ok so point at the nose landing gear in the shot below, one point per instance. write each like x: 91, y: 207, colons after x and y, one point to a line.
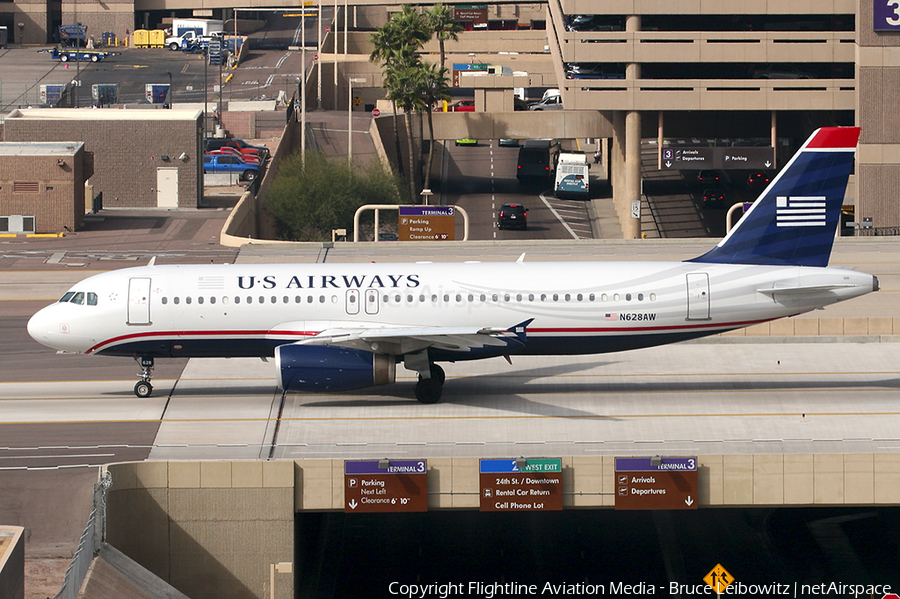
x: 143, y: 388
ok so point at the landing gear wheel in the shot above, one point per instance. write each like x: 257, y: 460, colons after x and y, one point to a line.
x: 143, y: 389
x: 437, y: 373
x: 429, y: 390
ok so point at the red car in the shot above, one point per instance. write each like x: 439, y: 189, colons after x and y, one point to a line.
x: 463, y: 106
x: 225, y: 151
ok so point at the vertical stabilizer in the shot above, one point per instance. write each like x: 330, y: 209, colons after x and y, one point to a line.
x: 794, y: 220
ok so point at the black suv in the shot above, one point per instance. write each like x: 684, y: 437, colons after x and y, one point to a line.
x: 512, y: 216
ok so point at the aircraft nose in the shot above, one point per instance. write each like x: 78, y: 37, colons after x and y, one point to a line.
x: 43, y: 326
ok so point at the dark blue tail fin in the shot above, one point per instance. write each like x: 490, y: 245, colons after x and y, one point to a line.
x: 794, y: 220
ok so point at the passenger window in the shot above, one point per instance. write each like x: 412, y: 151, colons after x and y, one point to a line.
x: 91, y: 298
x: 212, y: 299
x: 200, y: 300
x: 262, y: 299
x: 187, y: 300
x: 237, y: 299
x: 164, y: 301
x: 321, y: 299
x: 555, y: 297
x: 579, y: 297
x: 627, y: 297
x: 176, y: 300
x: 285, y: 299
x: 530, y: 297
x: 66, y: 297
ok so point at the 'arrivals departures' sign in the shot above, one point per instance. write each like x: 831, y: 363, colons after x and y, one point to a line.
x: 656, y: 483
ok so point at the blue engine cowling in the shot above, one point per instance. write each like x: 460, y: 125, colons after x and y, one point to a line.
x: 330, y: 368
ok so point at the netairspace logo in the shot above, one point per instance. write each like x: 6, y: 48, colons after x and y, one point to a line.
x: 492, y: 590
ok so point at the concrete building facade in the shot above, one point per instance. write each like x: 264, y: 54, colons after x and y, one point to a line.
x: 139, y: 158
x: 42, y: 186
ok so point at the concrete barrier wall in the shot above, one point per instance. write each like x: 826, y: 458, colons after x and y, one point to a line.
x: 214, y: 529
x: 210, y: 529
x: 812, y: 327
x: 764, y: 480
x: 12, y: 562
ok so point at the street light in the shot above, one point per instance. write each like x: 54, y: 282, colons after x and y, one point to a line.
x: 351, y: 81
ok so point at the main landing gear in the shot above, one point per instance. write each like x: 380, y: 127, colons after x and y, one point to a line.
x: 143, y: 388
x: 429, y: 390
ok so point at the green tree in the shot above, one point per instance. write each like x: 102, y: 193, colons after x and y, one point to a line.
x: 444, y: 27
x: 396, y: 48
x: 308, y: 202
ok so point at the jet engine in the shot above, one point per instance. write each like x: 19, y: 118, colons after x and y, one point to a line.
x: 330, y: 368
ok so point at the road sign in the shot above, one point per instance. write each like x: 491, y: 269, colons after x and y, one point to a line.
x: 510, y: 485
x: 731, y: 158
x: 426, y: 223
x: 315, y: 57
x: 376, y: 112
x: 385, y: 486
x: 718, y: 579
x: 656, y: 483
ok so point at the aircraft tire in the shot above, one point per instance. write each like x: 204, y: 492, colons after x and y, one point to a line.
x: 429, y: 391
x: 437, y: 373
x: 143, y: 389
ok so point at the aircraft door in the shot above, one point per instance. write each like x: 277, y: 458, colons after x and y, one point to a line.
x: 371, y: 301
x: 697, y: 296
x: 352, y: 300
x: 138, y: 301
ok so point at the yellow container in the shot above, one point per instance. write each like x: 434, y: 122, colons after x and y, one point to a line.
x: 141, y: 38
x: 157, y: 38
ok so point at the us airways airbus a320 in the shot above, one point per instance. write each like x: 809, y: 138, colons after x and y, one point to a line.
x: 334, y: 327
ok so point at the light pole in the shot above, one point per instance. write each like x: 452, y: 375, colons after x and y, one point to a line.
x: 169, y: 91
x: 350, y: 82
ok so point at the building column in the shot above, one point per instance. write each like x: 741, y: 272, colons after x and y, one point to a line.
x: 617, y: 166
x: 631, y: 228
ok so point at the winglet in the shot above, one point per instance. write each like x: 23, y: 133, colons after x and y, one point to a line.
x: 793, y: 221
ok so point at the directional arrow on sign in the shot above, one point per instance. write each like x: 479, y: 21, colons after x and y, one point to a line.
x: 689, y: 501
x: 353, y: 504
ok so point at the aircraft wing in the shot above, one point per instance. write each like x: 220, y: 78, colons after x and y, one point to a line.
x: 407, y: 340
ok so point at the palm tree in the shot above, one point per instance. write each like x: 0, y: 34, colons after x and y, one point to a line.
x: 396, y: 48
x: 442, y: 24
x: 433, y: 89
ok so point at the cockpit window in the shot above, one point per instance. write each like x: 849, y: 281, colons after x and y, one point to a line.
x: 78, y: 299
x: 66, y: 297
x: 91, y: 298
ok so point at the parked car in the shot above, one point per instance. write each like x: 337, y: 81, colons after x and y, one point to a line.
x: 229, y: 151
x: 781, y: 72
x: 462, y: 106
x: 229, y: 164
x: 594, y: 71
x: 509, y: 143
x: 512, y: 216
x: 466, y: 141
x: 549, y: 103
x: 241, y: 145
x: 713, y: 198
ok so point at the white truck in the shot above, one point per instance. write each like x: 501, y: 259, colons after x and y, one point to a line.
x: 188, y: 34
x: 572, y: 176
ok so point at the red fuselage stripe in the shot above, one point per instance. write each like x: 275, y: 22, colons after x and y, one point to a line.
x: 298, y: 334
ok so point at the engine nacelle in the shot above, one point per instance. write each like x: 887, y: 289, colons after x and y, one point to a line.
x: 330, y: 368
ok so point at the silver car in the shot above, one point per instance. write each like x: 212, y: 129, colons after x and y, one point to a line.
x: 548, y: 103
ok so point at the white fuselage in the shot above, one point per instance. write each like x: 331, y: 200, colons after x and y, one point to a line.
x: 575, y: 307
